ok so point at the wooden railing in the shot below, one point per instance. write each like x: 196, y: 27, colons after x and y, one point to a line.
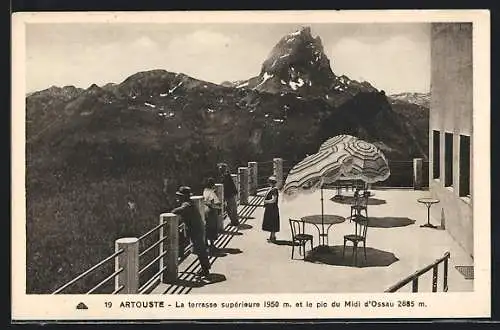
x: 415, y: 276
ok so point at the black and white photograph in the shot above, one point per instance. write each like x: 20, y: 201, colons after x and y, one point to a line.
x: 251, y: 165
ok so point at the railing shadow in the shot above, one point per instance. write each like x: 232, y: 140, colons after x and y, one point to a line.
x: 333, y: 256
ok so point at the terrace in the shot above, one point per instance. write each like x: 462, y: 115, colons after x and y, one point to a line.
x: 397, y: 247
x: 249, y: 264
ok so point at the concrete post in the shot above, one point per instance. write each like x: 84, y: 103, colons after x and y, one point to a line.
x: 278, y: 171
x: 235, y: 180
x: 199, y: 202
x: 417, y: 173
x: 219, y: 190
x: 252, y: 178
x: 243, y: 185
x: 171, y: 258
x: 129, y: 261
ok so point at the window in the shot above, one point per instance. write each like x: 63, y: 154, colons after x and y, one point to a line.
x: 436, y: 165
x: 464, y: 186
x: 448, y: 159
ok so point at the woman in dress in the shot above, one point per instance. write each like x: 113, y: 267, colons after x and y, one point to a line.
x: 271, y: 222
x: 212, y: 209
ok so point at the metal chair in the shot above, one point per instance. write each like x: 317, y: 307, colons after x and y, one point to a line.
x: 359, y: 236
x: 299, y: 236
x: 360, y: 204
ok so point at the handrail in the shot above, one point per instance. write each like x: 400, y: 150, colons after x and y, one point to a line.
x: 152, y: 246
x: 90, y: 270
x: 153, y: 278
x: 414, y: 277
x: 151, y: 231
x: 120, y: 288
x: 112, y: 276
x: 152, y: 262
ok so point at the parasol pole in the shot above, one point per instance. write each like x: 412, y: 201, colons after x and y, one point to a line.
x: 322, y: 218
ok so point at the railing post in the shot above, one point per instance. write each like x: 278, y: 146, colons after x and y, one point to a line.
x: 243, y: 185
x: 414, y: 285
x: 171, y: 229
x: 252, y: 178
x: 129, y: 261
x: 445, y: 273
x: 219, y: 190
x: 278, y: 171
x: 235, y: 180
x: 199, y: 203
x: 417, y: 173
x: 434, y: 278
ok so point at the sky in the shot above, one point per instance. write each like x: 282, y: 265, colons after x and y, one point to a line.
x: 394, y: 57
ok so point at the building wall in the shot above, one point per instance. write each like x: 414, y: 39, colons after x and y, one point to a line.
x: 451, y: 112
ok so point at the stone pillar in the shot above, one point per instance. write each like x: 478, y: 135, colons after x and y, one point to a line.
x: 236, y: 183
x: 417, y: 173
x: 278, y: 171
x: 252, y: 178
x: 170, y: 247
x: 243, y: 184
x: 219, y: 190
x: 129, y: 261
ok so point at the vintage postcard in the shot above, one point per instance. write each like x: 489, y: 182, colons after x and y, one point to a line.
x: 251, y: 165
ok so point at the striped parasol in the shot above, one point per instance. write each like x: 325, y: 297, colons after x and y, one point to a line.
x: 353, y: 159
x: 341, y: 157
x: 343, y: 138
x: 365, y: 162
x: 314, y: 170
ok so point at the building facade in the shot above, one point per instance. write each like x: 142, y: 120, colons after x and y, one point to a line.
x: 450, y: 129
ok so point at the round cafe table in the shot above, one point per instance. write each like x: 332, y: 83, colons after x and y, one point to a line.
x: 328, y: 220
x: 428, y: 202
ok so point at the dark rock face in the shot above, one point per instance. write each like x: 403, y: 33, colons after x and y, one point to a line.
x: 299, y: 66
x: 90, y: 151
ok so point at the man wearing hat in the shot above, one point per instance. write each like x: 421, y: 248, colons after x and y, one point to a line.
x: 195, y: 227
x: 230, y: 193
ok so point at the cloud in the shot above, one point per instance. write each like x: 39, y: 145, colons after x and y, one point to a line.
x: 144, y: 43
x: 396, y: 64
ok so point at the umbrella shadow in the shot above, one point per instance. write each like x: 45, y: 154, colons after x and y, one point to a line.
x: 389, y: 222
x: 349, y: 200
x: 333, y: 256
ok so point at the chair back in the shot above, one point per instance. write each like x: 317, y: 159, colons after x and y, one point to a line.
x: 360, y: 225
x: 363, y: 198
x: 297, y: 227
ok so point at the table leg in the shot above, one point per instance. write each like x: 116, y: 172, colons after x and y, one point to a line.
x: 428, y: 224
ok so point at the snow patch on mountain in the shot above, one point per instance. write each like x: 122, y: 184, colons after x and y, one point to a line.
x: 295, y: 85
x: 265, y: 78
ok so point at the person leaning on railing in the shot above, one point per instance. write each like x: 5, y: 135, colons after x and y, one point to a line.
x: 230, y: 193
x: 195, y: 226
x: 212, y: 209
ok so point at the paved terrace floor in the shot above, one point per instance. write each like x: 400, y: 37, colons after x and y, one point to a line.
x: 396, y: 248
